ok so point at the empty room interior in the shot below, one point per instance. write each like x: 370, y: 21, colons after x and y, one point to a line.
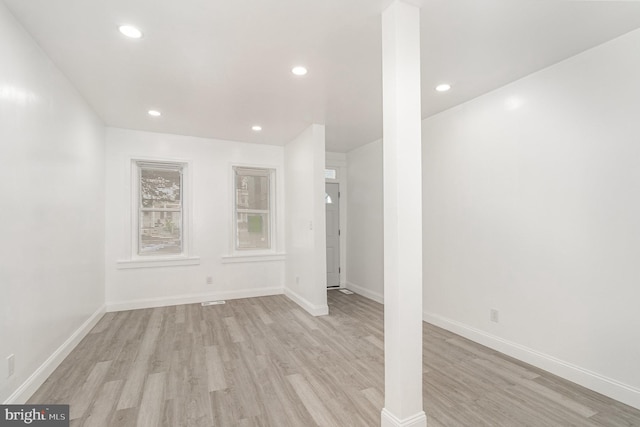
x: 321, y: 213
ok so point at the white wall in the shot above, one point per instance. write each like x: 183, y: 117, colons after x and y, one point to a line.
x: 306, y: 268
x: 365, y: 240
x: 532, y: 208
x: 211, y: 211
x: 52, y: 252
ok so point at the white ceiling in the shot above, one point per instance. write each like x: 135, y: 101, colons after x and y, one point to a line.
x: 214, y: 68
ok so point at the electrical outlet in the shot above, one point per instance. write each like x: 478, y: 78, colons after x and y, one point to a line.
x: 493, y: 315
x: 209, y: 280
x: 11, y: 365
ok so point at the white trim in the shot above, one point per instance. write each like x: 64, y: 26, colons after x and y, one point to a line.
x: 156, y: 262
x: 390, y: 420
x: 360, y: 290
x: 609, y: 387
x: 312, y: 309
x: 39, y: 376
x: 230, y: 259
x: 191, y: 298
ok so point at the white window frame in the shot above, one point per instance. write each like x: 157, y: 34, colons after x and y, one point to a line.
x: 186, y: 257
x: 271, y: 173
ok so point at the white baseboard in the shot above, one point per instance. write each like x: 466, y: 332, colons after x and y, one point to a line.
x: 607, y: 386
x: 390, y: 420
x: 191, y: 299
x: 39, y: 376
x: 360, y: 290
x: 312, y: 309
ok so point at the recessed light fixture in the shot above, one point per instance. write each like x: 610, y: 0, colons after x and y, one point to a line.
x: 130, y: 31
x: 256, y: 128
x: 155, y: 113
x: 513, y: 103
x: 443, y: 87
x: 299, y: 70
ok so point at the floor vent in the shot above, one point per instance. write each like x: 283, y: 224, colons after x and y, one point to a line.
x: 204, y: 304
x: 346, y: 291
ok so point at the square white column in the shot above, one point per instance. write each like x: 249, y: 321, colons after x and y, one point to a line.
x: 402, y: 163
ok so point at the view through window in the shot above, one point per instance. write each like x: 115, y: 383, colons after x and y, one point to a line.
x: 160, y: 211
x: 252, y: 207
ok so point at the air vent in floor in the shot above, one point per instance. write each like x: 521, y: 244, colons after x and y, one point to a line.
x: 346, y: 291
x: 204, y: 304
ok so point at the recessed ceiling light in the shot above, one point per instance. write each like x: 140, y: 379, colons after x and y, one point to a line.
x: 443, y: 87
x: 155, y: 113
x: 256, y: 128
x: 299, y: 71
x: 513, y: 103
x: 130, y: 31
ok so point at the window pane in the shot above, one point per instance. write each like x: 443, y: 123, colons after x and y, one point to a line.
x: 160, y: 233
x: 327, y: 199
x: 160, y: 188
x: 330, y: 173
x: 252, y: 192
x: 253, y: 230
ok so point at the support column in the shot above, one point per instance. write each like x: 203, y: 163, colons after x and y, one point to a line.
x: 402, y: 163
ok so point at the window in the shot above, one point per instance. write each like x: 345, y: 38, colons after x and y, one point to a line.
x: 252, y: 207
x: 327, y: 199
x: 330, y: 173
x: 160, y: 208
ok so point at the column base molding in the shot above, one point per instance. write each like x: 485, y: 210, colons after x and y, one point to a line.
x: 390, y: 420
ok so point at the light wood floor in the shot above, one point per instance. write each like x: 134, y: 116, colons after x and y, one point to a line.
x: 265, y: 362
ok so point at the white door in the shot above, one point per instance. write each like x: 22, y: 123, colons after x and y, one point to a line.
x: 332, y: 205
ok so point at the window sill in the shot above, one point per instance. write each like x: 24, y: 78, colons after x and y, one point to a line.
x: 229, y: 259
x: 157, y: 262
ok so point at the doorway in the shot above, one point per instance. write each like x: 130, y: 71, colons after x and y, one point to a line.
x: 332, y: 207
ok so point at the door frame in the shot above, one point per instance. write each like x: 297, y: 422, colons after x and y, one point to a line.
x: 338, y: 161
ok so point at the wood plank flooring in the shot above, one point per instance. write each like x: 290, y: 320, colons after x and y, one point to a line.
x: 266, y: 362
